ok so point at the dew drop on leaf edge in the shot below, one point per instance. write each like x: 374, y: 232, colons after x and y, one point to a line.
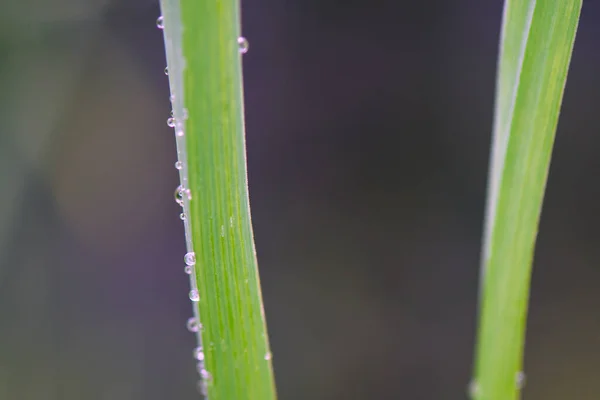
x: 192, y: 325
x: 521, y: 380
x: 194, y: 295
x: 202, y: 388
x: 205, y: 375
x: 473, y: 389
x: 190, y: 258
x: 199, y: 353
x: 179, y: 195
x: 243, y: 45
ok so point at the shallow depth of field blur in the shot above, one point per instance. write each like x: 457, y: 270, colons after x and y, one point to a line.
x: 368, y: 130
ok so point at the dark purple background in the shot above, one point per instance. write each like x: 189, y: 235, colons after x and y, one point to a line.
x: 368, y: 128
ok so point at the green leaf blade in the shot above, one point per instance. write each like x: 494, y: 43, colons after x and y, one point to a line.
x: 529, y: 120
x: 513, y: 42
x: 205, y: 69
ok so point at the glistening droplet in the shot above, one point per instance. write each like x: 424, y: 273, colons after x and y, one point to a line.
x: 190, y: 258
x: 520, y: 380
x: 160, y: 23
x: 178, y: 165
x: 171, y: 122
x: 188, y: 270
x: 179, y: 195
x: 268, y: 356
x: 243, y: 45
x: 194, y: 295
x: 199, y: 353
x: 166, y: 70
x: 473, y: 390
x: 199, y: 367
x: 202, y: 388
x: 180, y: 133
x: 193, y: 325
x: 182, y: 216
x: 204, y: 374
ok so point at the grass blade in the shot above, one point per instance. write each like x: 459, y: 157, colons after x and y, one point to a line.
x: 537, y: 43
x: 204, y: 64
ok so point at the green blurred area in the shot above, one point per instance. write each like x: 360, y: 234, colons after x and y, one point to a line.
x: 86, y: 179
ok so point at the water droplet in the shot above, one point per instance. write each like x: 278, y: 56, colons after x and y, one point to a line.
x: 473, y: 389
x: 202, y: 388
x: 521, y: 380
x: 200, y: 367
x: 178, y: 165
x: 231, y: 222
x: 190, y: 258
x: 199, y: 353
x: 188, y: 270
x: 166, y: 70
x: 222, y: 230
x: 160, y: 23
x: 204, y: 374
x: 179, y: 195
x: 171, y: 122
x: 194, y: 295
x: 172, y: 113
x: 180, y: 133
x: 193, y: 325
x: 243, y: 45
x: 182, y: 216
x: 172, y: 98
x: 268, y: 356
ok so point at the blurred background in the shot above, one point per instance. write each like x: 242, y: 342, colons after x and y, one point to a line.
x: 368, y: 127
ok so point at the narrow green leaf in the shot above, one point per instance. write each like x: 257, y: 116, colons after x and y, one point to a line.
x: 204, y: 61
x: 536, y: 47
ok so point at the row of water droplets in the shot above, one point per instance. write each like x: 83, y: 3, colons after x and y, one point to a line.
x: 183, y: 194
